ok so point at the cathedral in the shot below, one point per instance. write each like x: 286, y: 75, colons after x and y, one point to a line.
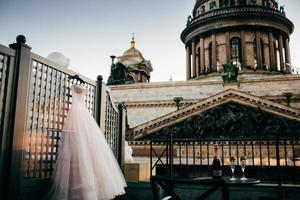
x: 239, y: 80
x: 130, y: 68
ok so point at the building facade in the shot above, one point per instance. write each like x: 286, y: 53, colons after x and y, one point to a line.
x: 260, y: 104
x: 252, y: 35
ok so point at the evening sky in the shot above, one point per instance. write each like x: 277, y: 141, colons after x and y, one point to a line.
x: 89, y: 31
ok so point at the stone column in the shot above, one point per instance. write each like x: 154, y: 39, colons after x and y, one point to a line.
x: 258, y: 50
x: 287, y: 51
x: 214, y: 53
x: 197, y: 62
x: 194, y: 58
x: 227, y: 41
x: 202, y: 56
x: 273, y: 66
x: 188, y: 63
x: 280, y: 41
x: 243, y: 46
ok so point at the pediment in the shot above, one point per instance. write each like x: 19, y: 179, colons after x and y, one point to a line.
x: 229, y: 113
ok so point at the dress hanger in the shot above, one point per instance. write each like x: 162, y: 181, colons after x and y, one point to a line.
x: 76, y: 77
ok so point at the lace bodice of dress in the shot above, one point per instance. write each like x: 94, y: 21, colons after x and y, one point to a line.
x: 79, y: 92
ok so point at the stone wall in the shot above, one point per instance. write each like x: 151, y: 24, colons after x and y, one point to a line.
x: 151, y: 100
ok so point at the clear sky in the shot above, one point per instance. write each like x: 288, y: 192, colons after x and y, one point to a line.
x: 89, y: 31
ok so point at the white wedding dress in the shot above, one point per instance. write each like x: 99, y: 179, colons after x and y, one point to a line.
x: 86, y: 168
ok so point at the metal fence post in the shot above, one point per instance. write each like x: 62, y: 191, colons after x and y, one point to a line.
x: 100, y: 103
x: 98, y: 99
x: 122, y: 131
x: 171, y: 155
x: 19, y: 107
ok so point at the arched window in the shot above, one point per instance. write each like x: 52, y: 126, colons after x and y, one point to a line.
x: 235, y: 47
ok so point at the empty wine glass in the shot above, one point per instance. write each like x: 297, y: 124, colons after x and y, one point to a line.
x: 232, y: 166
x: 243, y: 166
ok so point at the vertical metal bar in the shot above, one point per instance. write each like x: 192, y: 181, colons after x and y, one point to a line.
x: 207, y: 147
x: 187, y: 157
x: 245, y: 152
x: 293, y: 151
x: 260, y: 158
x: 201, y: 154
x: 230, y: 149
x: 180, y: 164
x: 122, y: 129
x: 171, y: 155
x: 222, y: 154
x: 268, y: 150
x: 151, y: 167
x: 285, y: 153
x: 278, y: 162
x: 167, y: 158
x: 253, y: 155
x: 98, y: 99
x: 194, y: 158
x: 237, y: 152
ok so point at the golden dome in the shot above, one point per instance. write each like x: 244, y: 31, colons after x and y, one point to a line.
x: 133, y: 52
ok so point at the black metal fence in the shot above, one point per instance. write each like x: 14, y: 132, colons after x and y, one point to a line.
x: 270, y: 160
x: 35, y: 97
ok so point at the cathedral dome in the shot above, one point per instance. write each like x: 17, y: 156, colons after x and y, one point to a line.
x: 251, y: 35
x: 133, y: 52
x: 138, y: 69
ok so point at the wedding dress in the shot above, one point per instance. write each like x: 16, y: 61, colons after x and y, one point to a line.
x: 86, y: 168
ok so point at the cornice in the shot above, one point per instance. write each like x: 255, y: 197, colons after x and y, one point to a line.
x: 216, y: 80
x: 156, y: 104
x: 238, y: 12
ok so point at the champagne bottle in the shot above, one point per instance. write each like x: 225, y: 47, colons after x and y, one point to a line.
x: 216, y: 165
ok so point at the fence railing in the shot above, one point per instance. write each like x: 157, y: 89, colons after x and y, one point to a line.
x: 35, y: 97
x: 270, y: 160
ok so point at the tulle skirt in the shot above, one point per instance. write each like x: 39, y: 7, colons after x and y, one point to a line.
x: 86, y: 168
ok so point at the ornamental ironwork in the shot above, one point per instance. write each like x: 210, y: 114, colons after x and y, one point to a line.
x: 231, y: 120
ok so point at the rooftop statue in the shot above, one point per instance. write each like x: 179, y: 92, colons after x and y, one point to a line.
x: 118, y: 74
x: 230, y: 73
